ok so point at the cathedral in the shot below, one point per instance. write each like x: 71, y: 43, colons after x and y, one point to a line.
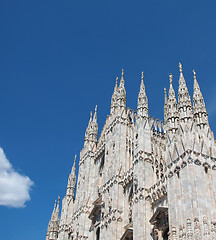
x: 143, y: 178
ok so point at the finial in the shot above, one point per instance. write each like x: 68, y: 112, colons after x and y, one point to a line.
x: 165, y: 91
x: 194, y: 74
x: 116, y: 80
x: 171, y: 78
x: 91, y: 115
x: 180, y: 67
x: 142, y: 75
x: 96, y: 108
x: 122, y: 73
x: 58, y: 199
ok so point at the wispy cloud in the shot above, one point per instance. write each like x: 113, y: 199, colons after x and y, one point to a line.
x: 14, y: 187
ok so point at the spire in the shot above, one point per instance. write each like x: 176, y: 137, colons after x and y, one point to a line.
x: 54, y: 209
x: 122, y: 79
x: 90, y: 119
x: 142, y: 106
x: 196, y: 84
x: 171, y: 90
x: 184, y: 99
x: 121, y: 95
x: 92, y: 129
x: 172, y: 111
x: 165, y: 96
x: 53, y: 226
x: 165, y: 105
x: 113, y: 99
x: 116, y: 85
x: 72, y: 180
x: 88, y: 128
x: 200, y: 112
x: 74, y: 165
x: 95, y: 115
x: 57, y: 209
x: 142, y: 86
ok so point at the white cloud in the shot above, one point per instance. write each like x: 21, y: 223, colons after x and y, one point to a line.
x: 14, y: 187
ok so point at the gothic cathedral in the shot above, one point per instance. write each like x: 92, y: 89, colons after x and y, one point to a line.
x: 143, y: 178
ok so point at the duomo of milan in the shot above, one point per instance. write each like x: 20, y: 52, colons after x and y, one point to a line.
x: 143, y: 178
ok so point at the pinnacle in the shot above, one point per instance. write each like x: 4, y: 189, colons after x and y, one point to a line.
x: 165, y: 93
x: 171, y: 90
x: 198, y: 100
x: 116, y: 85
x: 142, y: 100
x: 75, y: 159
x: 122, y: 79
x: 57, y: 208
x: 74, y: 164
x: 196, y: 84
x: 171, y: 78
x: 90, y: 120
x: 183, y: 94
x: 122, y: 75
x: 55, y: 205
x: 90, y: 117
x: 54, y: 209
x: 180, y: 67
x: 95, y: 115
x: 181, y: 78
x: 142, y: 86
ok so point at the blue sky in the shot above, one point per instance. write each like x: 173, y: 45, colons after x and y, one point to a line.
x: 58, y: 59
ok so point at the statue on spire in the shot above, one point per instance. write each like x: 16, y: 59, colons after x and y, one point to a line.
x: 171, y: 78
x: 180, y: 67
x: 194, y: 73
x: 121, y: 85
x: 122, y: 75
